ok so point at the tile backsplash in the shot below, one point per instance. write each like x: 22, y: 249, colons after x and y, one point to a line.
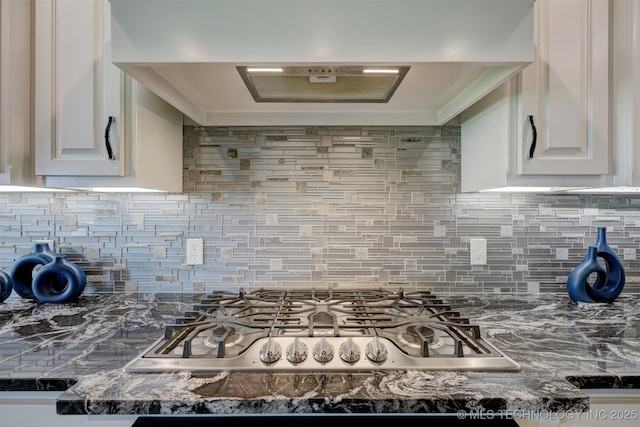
x: 322, y: 206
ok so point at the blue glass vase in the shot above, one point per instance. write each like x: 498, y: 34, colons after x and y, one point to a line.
x: 6, y: 285
x: 59, y: 281
x: 43, y: 250
x: 578, y: 285
x: 609, y: 289
x: 26, y: 267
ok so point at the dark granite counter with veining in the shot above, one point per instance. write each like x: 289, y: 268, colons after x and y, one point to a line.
x: 82, y: 346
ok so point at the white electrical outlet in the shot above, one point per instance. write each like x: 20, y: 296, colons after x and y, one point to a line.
x: 195, y: 251
x: 478, y: 251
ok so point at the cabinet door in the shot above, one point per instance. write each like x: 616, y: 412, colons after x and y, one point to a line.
x: 16, y: 167
x: 77, y: 89
x: 566, y: 90
x: 626, y: 96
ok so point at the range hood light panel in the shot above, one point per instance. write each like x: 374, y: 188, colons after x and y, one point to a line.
x: 379, y: 71
x: 356, y: 84
x: 264, y: 70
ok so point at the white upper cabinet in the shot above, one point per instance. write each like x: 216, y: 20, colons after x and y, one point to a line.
x: 16, y: 162
x: 77, y: 90
x: 88, y: 124
x: 626, y: 96
x: 566, y: 90
x: 550, y: 128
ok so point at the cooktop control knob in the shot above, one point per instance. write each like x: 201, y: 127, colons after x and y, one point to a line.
x: 376, y: 351
x: 323, y: 351
x: 349, y: 351
x: 270, y: 351
x: 296, y: 351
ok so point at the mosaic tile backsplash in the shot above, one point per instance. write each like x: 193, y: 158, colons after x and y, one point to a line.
x: 323, y: 207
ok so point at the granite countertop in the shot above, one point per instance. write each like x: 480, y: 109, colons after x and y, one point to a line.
x: 81, y: 347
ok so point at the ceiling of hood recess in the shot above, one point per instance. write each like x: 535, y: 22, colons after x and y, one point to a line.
x: 190, y: 52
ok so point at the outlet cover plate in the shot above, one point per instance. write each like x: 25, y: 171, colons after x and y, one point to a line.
x: 195, y: 251
x: 478, y: 249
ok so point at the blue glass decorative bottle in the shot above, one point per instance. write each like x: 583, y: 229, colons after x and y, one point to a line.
x: 26, y: 266
x: 6, y: 285
x: 607, y: 287
x: 578, y: 281
x: 608, y: 290
x: 59, y: 281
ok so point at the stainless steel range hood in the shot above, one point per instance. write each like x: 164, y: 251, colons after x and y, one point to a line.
x: 322, y: 83
x: 448, y: 53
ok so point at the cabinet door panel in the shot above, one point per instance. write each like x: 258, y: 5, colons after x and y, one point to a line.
x: 16, y: 166
x: 75, y: 90
x: 566, y: 90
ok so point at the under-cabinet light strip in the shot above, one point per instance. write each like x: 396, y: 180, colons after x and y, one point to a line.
x: 379, y: 71
x: 264, y: 70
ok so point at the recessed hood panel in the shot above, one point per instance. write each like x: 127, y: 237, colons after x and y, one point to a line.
x: 190, y: 52
x: 322, y: 83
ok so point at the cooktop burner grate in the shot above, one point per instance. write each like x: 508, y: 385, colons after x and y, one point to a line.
x: 321, y: 330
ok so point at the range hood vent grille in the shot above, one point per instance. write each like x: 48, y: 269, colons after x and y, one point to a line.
x: 322, y: 83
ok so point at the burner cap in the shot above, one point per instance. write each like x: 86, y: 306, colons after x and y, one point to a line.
x: 220, y: 333
x: 225, y: 334
x: 412, y: 334
x: 322, y: 318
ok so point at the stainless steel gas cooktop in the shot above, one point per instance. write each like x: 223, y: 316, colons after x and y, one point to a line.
x: 321, y: 330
